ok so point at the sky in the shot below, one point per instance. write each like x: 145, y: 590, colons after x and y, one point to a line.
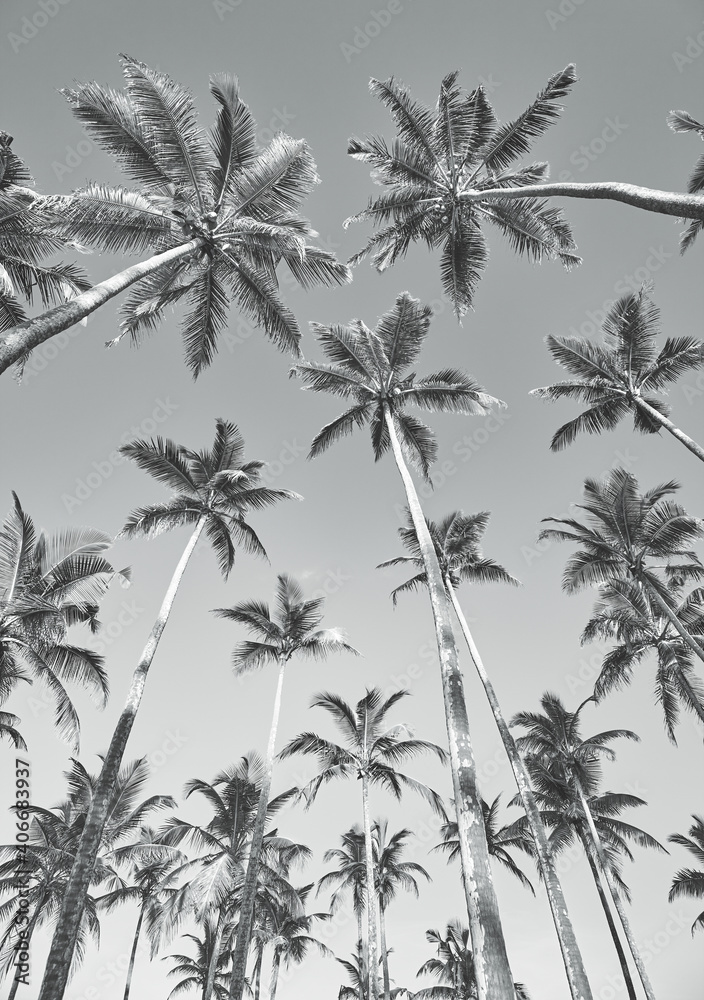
x: 304, y: 68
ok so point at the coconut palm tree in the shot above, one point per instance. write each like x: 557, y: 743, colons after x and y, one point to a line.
x: 566, y: 770
x: 370, y: 751
x: 350, y: 877
x: 625, y: 529
x: 437, y: 156
x: 357, y: 969
x: 624, y: 374
x: 457, y: 543
x: 624, y: 613
x: 212, y: 491
x: 371, y: 369
x: 689, y: 882
x: 289, y: 929
x: 195, y: 971
x: 49, y: 583
x: 391, y: 873
x: 294, y: 630
x: 214, y: 213
x: 681, y: 121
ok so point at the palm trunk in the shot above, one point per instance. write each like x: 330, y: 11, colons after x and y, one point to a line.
x: 244, y: 924
x: 623, y: 962
x: 274, y: 976
x: 30, y: 930
x: 384, y: 955
x: 684, y: 206
x: 63, y: 943
x: 686, y: 440
x: 209, y: 984
x: 133, y: 955
x: 258, y: 972
x: 360, y: 951
x: 493, y: 973
x: 571, y: 955
x: 608, y: 875
x: 674, y: 620
x: 372, y: 960
x: 32, y: 332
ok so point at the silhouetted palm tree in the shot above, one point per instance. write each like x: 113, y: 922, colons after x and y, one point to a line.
x: 689, y: 882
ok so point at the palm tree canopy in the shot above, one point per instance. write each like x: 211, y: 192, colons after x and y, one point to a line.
x: 627, y: 366
x: 689, y: 882
x: 457, y: 541
x: 350, y: 875
x: 293, y: 628
x: 391, y: 872
x: 217, y: 486
x: 442, y: 153
x: 371, y: 368
x: 682, y: 121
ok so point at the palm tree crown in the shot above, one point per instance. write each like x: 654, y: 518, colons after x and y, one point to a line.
x: 689, y: 882
x: 682, y: 121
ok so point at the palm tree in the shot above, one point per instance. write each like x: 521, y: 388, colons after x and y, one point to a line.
x: 438, y: 156
x: 194, y: 972
x: 624, y: 374
x: 358, y: 971
x: 624, y: 613
x: 370, y: 752
x: 212, y: 491
x: 689, y: 881
x: 289, y: 930
x: 457, y: 543
x: 391, y: 873
x: 49, y: 583
x: 349, y: 877
x: 566, y: 771
x: 293, y: 631
x: 372, y: 369
x: 681, y: 121
x: 625, y: 529
x: 215, y: 212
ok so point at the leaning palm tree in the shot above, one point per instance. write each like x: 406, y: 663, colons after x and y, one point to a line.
x: 457, y: 543
x: 215, y: 214
x: 689, y: 882
x: 624, y: 531
x: 438, y: 156
x: 212, y: 492
x: 372, y: 369
x: 624, y: 374
x: 294, y: 630
x: 350, y: 877
x: 681, y: 121
x: 624, y: 613
x: 370, y: 752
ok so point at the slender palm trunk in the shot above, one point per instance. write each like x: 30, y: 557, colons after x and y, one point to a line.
x: 32, y: 332
x: 63, y: 943
x: 686, y: 440
x: 244, y: 924
x: 372, y: 960
x: 623, y: 962
x: 27, y: 941
x: 360, y: 951
x: 571, y: 955
x: 258, y: 972
x: 209, y: 984
x: 133, y: 955
x: 684, y: 206
x: 274, y: 976
x: 494, y: 979
x: 605, y: 867
x: 384, y: 955
x: 674, y: 620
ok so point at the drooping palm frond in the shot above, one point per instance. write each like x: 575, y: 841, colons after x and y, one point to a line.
x: 682, y: 121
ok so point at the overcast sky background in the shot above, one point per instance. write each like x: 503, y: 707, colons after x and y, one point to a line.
x: 298, y: 72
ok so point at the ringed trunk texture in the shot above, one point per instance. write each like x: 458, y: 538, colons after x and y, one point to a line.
x: 360, y: 952
x: 372, y: 960
x: 686, y: 440
x: 684, y: 206
x: 33, y: 332
x: 384, y: 955
x: 571, y: 955
x: 623, y: 962
x: 608, y: 875
x: 133, y: 955
x: 209, y: 984
x: 249, y: 892
x: 63, y: 943
x: 30, y: 930
x: 494, y: 979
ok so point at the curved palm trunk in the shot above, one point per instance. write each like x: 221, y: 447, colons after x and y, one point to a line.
x: 384, y: 954
x: 133, y: 954
x: 209, y: 984
x: 63, y: 943
x: 494, y: 978
x: 30, y: 930
x: 372, y: 960
x: 608, y: 875
x: 674, y: 620
x: 571, y: 955
x: 686, y: 440
x: 685, y: 206
x: 274, y: 976
x: 623, y: 962
x: 244, y: 924
x: 258, y: 972
x: 32, y: 332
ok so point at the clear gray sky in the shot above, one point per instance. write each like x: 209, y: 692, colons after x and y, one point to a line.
x: 304, y: 67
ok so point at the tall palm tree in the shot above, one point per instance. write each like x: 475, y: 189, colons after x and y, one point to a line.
x: 689, y: 882
x: 391, y: 873
x: 350, y: 877
x: 49, y: 583
x: 290, y: 934
x: 624, y: 613
x: 370, y: 751
x: 624, y: 374
x: 681, y: 121
x: 212, y: 492
x: 194, y: 972
x: 294, y: 630
x: 371, y: 368
x: 625, y: 529
x: 358, y: 972
x: 215, y: 213
x: 441, y: 153
x: 565, y: 767
x: 457, y: 543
